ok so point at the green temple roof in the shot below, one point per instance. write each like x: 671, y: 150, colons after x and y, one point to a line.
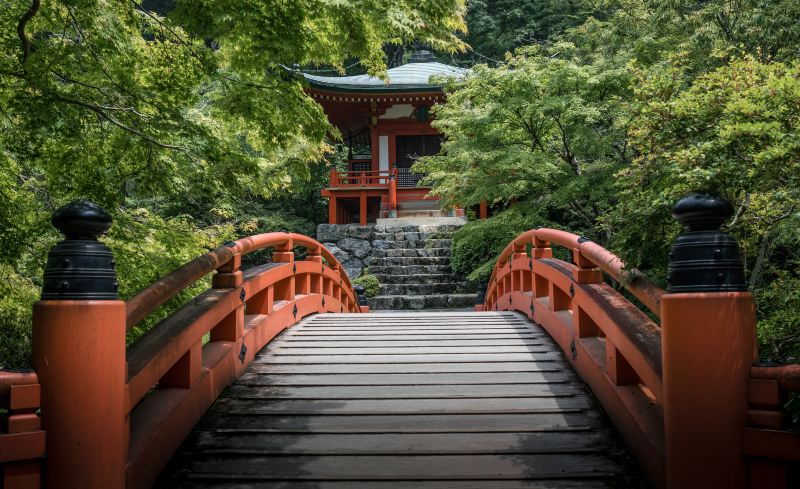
x: 413, y: 76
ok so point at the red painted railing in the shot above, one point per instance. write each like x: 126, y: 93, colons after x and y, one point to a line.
x: 128, y: 411
x: 359, y: 179
x: 22, y: 441
x: 678, y: 392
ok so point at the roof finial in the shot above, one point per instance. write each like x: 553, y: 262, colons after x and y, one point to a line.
x: 421, y: 53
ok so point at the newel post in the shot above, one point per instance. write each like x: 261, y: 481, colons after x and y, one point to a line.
x: 393, y: 192
x: 708, y: 346
x: 79, y: 355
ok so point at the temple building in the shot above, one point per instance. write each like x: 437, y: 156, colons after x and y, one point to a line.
x: 389, y: 126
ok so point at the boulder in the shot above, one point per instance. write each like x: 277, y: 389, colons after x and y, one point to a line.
x: 360, y: 232
x: 331, y: 232
x: 358, y: 247
x: 339, y: 253
x: 353, y: 267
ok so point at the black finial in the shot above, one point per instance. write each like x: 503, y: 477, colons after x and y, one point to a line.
x: 700, y: 212
x: 703, y: 258
x: 81, y: 220
x: 361, y: 295
x: 480, y: 297
x: 421, y: 53
x: 80, y: 267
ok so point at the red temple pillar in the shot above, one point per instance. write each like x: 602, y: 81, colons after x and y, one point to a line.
x: 362, y: 208
x: 484, y: 212
x: 332, y: 210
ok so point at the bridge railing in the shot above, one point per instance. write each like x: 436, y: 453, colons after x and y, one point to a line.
x: 613, y: 345
x: 22, y: 441
x: 114, y: 416
x: 682, y: 392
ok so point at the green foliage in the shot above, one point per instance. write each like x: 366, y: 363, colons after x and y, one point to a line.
x: 477, y: 244
x: 372, y: 287
x: 545, y: 126
x: 779, y: 330
x: 496, y: 27
x: 186, y: 124
x: 735, y: 133
x: 17, y: 295
x: 602, y: 126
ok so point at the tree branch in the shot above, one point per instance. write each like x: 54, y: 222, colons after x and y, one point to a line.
x: 23, y: 21
x: 100, y: 110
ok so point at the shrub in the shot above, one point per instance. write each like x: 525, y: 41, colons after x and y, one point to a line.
x: 370, y: 283
x: 478, y: 243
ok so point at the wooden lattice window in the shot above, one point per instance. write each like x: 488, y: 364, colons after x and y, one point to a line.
x: 409, y: 149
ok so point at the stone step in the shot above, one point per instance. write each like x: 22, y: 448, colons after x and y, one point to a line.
x: 428, y: 289
x: 409, y: 269
x: 427, y: 278
x: 424, y: 228
x: 406, y: 261
x: 410, y: 252
x: 413, y: 205
x: 411, y: 236
x: 416, y: 302
x: 384, y: 244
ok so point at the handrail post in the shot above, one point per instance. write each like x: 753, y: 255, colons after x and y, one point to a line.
x: 79, y: 355
x: 231, y: 328
x: 393, y: 192
x: 708, y: 346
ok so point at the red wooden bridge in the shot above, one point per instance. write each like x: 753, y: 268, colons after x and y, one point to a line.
x: 275, y: 377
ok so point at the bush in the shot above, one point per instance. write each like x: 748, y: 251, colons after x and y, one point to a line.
x: 779, y: 321
x: 478, y: 243
x: 17, y: 296
x: 370, y: 283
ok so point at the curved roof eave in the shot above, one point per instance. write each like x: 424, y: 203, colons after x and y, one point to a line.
x: 411, y: 77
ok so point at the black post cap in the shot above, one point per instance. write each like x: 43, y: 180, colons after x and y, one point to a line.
x: 360, y: 294
x: 700, y: 212
x: 80, y: 267
x: 703, y: 258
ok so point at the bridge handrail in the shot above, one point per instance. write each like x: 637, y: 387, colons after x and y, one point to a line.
x: 22, y: 441
x: 598, y: 328
x: 633, y: 280
x: 685, y: 395
x: 159, y: 292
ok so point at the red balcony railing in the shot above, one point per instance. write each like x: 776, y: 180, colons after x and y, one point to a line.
x: 359, y: 179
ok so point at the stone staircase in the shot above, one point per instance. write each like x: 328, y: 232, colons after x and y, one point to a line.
x: 412, y: 264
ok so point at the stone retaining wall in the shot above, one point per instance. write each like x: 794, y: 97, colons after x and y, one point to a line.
x: 351, y: 244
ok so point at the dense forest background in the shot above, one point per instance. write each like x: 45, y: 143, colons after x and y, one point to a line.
x: 181, y: 119
x: 609, y: 112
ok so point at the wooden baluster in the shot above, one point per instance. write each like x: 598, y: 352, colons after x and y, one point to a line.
x: 229, y: 276
x: 313, y: 255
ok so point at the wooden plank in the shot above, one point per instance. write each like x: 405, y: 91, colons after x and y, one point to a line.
x: 403, y: 406
x: 421, y: 358
x: 410, y: 368
x: 348, y: 343
x: 426, y: 338
x: 405, y: 401
x: 400, y: 444
x: 421, y: 327
x: 417, y: 423
x: 281, y: 350
x: 448, y: 332
x: 239, y: 391
x: 408, y: 467
x: 477, y: 378
x: 198, y: 483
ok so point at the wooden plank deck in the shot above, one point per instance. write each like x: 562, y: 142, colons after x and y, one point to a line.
x: 422, y: 400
